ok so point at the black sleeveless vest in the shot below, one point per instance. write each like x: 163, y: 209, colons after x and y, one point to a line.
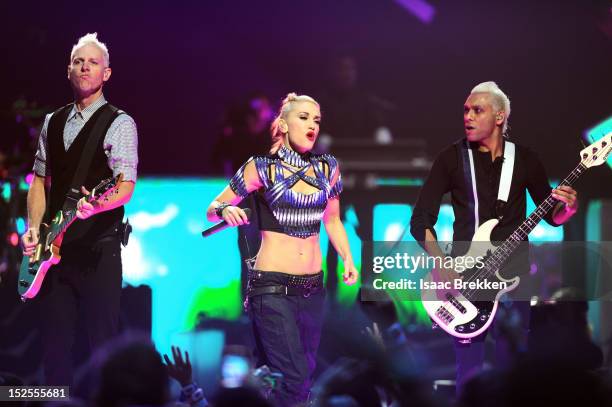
x: 63, y: 165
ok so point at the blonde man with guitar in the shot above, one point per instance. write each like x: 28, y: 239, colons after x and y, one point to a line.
x: 487, y: 176
x: 84, y: 144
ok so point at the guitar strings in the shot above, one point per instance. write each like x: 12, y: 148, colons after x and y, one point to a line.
x: 493, y: 264
x: 513, y: 242
x: 487, y: 270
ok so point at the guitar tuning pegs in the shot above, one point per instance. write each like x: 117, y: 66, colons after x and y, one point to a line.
x: 585, y: 155
x: 594, y: 150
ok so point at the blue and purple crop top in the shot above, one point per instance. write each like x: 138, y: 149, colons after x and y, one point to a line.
x: 280, y: 208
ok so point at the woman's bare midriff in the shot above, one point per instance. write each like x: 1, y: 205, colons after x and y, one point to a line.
x: 288, y: 254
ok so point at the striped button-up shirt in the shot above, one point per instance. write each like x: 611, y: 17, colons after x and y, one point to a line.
x: 120, y: 142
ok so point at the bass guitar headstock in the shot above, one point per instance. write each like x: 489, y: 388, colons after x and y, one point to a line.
x: 597, y: 153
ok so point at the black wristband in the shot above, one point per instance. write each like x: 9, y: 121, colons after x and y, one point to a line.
x: 219, y: 209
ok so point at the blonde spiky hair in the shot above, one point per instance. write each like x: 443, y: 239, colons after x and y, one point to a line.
x: 500, y: 100
x: 91, y: 38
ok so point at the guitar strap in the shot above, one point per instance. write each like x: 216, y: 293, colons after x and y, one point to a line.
x: 507, y: 170
x: 465, y: 157
x: 505, y: 180
x: 103, y: 122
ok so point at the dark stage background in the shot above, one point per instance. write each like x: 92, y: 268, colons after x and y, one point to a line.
x: 177, y: 65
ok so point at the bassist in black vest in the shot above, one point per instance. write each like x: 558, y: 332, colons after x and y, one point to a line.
x: 487, y: 177
x: 80, y: 145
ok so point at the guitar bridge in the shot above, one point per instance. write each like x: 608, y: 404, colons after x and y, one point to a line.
x: 445, y: 315
x: 456, y: 303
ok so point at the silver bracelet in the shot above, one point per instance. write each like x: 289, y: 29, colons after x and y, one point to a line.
x: 219, y: 209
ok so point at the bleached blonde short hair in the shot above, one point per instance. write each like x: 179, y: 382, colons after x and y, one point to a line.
x: 500, y: 101
x: 91, y: 38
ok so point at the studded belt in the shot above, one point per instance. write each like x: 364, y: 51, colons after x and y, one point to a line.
x: 287, y: 284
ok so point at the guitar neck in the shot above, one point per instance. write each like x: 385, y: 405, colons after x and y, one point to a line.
x: 499, y: 257
x: 67, y: 219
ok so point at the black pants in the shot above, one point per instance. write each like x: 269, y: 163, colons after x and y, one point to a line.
x: 287, y: 331
x: 85, y: 285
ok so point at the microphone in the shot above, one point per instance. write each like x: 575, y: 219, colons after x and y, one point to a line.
x: 222, y: 225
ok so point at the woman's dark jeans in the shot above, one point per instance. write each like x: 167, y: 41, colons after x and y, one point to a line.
x: 287, y: 331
